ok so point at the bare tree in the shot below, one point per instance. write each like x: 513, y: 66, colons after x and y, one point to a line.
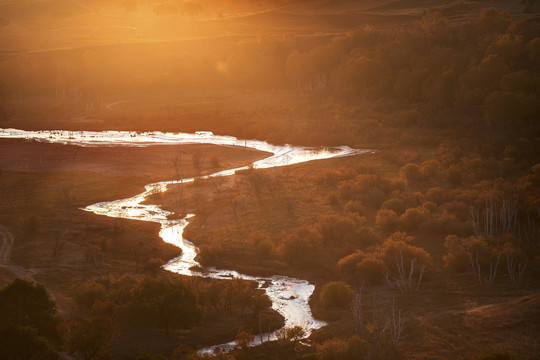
x: 196, y: 160
x: 176, y: 162
x: 57, y: 248
x: 496, y: 218
x: 395, y: 324
x: 515, y: 268
x: 356, y: 310
x: 378, y: 324
x: 528, y: 231
x: 406, y: 281
x: 217, y: 184
x: 482, y: 278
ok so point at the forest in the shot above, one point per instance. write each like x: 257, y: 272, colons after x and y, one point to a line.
x: 427, y: 246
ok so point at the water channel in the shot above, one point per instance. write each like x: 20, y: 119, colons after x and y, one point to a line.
x: 289, y: 296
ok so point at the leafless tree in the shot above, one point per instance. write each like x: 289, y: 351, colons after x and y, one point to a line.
x: 176, y: 162
x: 217, y: 184
x: 476, y: 266
x: 196, y: 160
x: 356, y: 310
x: 378, y: 324
x: 496, y: 218
x: 406, y: 281
x: 528, y: 231
x: 57, y: 247
x: 395, y: 324
x: 515, y: 268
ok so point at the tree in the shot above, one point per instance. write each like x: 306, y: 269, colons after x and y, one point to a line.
x: 372, y: 270
x: 162, y: 303
x: 24, y: 304
x: 243, y: 339
x: 290, y: 336
x: 338, y: 349
x: 336, y: 228
x: 492, y: 21
x: 196, y: 160
x: 23, y: 343
x: 411, y: 172
x: 90, y: 338
x: 336, y: 294
x: 407, y: 262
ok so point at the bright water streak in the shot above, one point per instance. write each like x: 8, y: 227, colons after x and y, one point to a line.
x: 289, y: 296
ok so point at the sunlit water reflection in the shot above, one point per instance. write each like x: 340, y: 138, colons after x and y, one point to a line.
x: 289, y: 296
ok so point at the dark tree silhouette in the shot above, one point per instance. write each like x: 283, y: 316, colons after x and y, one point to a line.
x: 163, y: 304
x: 29, y: 322
x: 90, y: 338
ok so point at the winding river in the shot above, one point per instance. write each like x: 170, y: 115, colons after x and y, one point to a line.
x: 289, y: 296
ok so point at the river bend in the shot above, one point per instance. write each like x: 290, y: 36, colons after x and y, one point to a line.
x: 289, y: 296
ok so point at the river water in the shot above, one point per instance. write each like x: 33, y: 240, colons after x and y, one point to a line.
x: 289, y: 296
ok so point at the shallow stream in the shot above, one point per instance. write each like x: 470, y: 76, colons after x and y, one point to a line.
x: 289, y: 296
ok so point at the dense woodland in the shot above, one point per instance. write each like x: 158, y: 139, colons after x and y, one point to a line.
x: 447, y: 208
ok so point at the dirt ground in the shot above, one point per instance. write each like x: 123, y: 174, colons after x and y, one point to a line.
x: 154, y: 162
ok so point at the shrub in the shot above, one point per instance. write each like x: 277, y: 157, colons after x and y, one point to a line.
x: 299, y: 243
x: 365, y: 237
x: 430, y: 168
x: 89, y: 292
x: 290, y: 336
x: 454, y: 176
x: 357, y: 348
x: 373, y: 197
x: 372, y: 270
x: 387, y: 220
x: 395, y: 204
x: 331, y: 349
x: 336, y: 294
x: 91, y: 338
x: 400, y: 236
x: 348, y: 264
x: 412, y: 173
x: 243, y: 339
x: 349, y: 189
x: 153, y: 265
x: 439, y: 195
x: 456, y: 257
x: 209, y: 253
x: 336, y: 228
x: 333, y: 198
x: 391, y: 251
x: 354, y: 206
x: 430, y: 206
x: 338, y: 349
x: 329, y: 177
x: 413, y: 218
